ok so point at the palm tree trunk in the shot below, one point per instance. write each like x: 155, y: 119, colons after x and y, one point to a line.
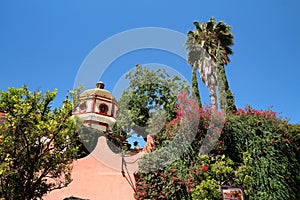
x: 213, y: 97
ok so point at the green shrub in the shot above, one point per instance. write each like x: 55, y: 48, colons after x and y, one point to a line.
x: 220, y: 169
x: 273, y: 144
x: 257, y: 151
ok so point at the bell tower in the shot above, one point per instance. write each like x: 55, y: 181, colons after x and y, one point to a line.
x: 98, y: 108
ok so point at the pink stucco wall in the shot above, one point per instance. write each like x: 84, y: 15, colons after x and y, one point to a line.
x: 94, y: 180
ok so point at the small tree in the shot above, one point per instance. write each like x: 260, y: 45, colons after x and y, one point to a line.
x: 38, y: 144
x: 148, y: 91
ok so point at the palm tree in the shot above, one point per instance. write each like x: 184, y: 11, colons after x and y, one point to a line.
x: 209, y: 48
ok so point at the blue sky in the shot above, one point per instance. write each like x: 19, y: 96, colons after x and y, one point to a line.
x: 44, y: 43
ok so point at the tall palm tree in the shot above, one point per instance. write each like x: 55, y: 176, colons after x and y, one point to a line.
x: 209, y: 46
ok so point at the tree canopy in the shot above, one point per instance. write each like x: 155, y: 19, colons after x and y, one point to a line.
x: 148, y: 91
x: 38, y: 144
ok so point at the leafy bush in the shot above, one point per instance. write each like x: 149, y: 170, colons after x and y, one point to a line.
x: 257, y: 151
x: 177, y: 180
x: 221, y: 169
x: 273, y: 144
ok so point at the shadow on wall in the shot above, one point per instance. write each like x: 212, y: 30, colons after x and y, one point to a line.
x: 74, y: 198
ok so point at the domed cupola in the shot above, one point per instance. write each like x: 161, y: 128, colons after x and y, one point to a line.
x: 98, y: 108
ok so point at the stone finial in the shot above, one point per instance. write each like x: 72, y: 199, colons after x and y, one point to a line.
x: 100, y: 85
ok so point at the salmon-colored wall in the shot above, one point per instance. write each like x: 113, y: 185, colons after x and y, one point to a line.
x: 94, y: 180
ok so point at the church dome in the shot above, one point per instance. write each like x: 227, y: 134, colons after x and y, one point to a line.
x: 98, y: 108
x: 98, y: 91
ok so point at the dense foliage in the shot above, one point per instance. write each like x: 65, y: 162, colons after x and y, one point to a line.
x: 88, y: 139
x: 148, y: 90
x: 38, y: 144
x: 257, y: 151
x: 273, y: 144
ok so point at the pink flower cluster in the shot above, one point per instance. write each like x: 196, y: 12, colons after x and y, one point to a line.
x: 205, y: 168
x: 261, y: 113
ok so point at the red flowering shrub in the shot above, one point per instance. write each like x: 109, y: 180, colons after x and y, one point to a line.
x: 270, y: 170
x: 205, y: 168
x: 273, y: 143
x: 164, y: 184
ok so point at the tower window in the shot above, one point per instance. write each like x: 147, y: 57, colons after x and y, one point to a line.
x: 103, y: 108
x: 82, y: 107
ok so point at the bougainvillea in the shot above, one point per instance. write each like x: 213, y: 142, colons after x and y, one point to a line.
x: 255, y: 150
x: 273, y: 144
